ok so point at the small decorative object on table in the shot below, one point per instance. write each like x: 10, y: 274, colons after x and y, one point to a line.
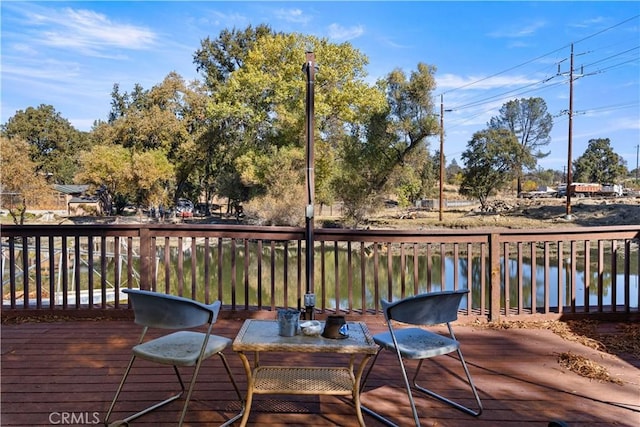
x: 336, y: 327
x: 288, y: 322
x: 311, y: 328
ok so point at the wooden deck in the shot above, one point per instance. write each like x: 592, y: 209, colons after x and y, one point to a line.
x: 71, y: 369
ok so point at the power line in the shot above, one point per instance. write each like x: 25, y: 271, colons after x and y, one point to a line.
x: 540, y: 57
x: 607, y: 29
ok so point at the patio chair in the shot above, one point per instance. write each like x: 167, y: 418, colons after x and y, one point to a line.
x: 418, y: 343
x: 183, y: 347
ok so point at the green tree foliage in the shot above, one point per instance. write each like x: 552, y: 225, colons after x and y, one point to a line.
x: 530, y: 122
x: 217, y: 59
x: 453, y: 173
x: 260, y: 105
x: 492, y: 158
x: 108, y: 166
x: 410, y: 119
x: 164, y: 121
x: 53, y: 142
x: 129, y: 176
x: 391, y: 151
x: 20, y: 182
x: 599, y: 164
x: 282, y: 196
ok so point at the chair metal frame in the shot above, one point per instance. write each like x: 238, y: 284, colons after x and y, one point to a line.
x: 427, y: 309
x: 156, y: 310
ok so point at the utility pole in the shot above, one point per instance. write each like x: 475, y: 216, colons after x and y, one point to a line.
x: 637, y: 157
x: 569, y: 140
x: 441, y: 157
x: 442, y: 172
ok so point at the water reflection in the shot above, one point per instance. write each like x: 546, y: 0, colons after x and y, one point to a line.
x: 339, y: 286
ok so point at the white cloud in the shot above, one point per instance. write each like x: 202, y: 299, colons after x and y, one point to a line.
x: 292, y: 15
x: 453, y: 81
x: 518, y: 31
x: 225, y: 20
x: 589, y: 23
x: 338, y: 32
x: 89, y: 32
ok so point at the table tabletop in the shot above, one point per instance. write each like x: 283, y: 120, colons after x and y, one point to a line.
x: 262, y: 335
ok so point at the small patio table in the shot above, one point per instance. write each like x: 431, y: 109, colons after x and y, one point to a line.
x: 262, y: 336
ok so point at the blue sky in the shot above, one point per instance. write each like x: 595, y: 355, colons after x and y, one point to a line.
x: 69, y: 55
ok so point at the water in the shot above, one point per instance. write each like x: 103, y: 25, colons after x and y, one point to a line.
x: 395, y: 277
x: 338, y: 295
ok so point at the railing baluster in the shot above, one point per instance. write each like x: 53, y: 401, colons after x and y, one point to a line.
x: 547, y: 285
x: 614, y: 276
x: 207, y: 270
x: 25, y: 272
x: 403, y: 268
x: 167, y: 265
x: 587, y: 275
x: 534, y: 279
x: 600, y: 275
x: 349, y: 277
x: 116, y: 268
x: 259, y: 276
x: 560, y: 277
x: 336, y: 276
x: 247, y: 256
x: 363, y: 282
x: 429, y: 269
x: 574, y: 267
x: 38, y: 271
x: 416, y: 270
x: 233, y: 274
x: 76, y: 263
x: 520, y: 279
x: 272, y: 266
x: 194, y: 259
x: 506, y: 278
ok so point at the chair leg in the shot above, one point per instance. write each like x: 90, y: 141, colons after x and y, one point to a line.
x: 193, y: 382
x: 125, y: 421
x: 235, y: 386
x: 373, y: 413
x: 441, y: 398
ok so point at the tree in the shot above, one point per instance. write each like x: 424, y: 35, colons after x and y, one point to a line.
x: 108, y: 166
x: 53, y: 142
x: 492, y: 158
x: 19, y: 182
x: 599, y: 164
x: 453, y: 173
x: 129, y: 176
x: 167, y: 120
x: 410, y: 119
x: 530, y: 122
x: 260, y: 105
x: 218, y: 59
x: 391, y: 152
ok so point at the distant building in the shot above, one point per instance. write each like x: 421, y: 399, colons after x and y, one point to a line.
x: 78, y: 202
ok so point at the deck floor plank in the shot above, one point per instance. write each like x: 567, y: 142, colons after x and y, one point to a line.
x: 73, y: 367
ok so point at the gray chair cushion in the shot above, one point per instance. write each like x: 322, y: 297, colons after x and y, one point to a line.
x: 180, y: 348
x: 416, y: 343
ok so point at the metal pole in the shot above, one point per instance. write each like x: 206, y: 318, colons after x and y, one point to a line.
x: 309, y: 299
x: 441, y: 157
x: 569, y: 177
x: 637, y: 158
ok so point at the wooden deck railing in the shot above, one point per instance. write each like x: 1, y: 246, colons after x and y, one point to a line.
x: 554, y: 272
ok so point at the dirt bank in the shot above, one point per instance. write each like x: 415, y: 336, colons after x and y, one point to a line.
x: 517, y: 213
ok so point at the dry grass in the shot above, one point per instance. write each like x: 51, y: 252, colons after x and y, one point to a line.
x: 624, y: 338
x: 586, y: 368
